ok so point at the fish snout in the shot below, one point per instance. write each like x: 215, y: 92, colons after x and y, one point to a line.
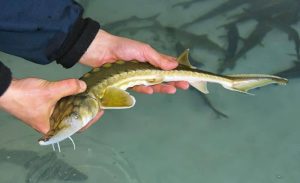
x: 43, y: 140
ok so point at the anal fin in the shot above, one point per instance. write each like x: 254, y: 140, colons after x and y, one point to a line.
x: 201, y: 86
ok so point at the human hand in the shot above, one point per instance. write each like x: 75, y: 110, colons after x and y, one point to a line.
x: 107, y: 48
x: 32, y: 100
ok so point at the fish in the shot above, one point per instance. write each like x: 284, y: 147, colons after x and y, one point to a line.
x: 292, y: 72
x: 186, y: 38
x: 135, y: 22
x: 187, y: 4
x: 212, y: 107
x: 255, y: 38
x: 41, y: 167
x: 132, y: 26
x: 189, y: 39
x: 261, y: 10
x: 233, y: 38
x: 292, y: 35
x: 219, y: 114
x: 107, y: 85
x: 179, y: 48
x: 220, y: 9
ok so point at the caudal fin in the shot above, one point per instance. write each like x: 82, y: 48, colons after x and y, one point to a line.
x: 245, y: 82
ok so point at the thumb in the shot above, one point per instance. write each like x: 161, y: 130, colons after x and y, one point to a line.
x: 68, y: 87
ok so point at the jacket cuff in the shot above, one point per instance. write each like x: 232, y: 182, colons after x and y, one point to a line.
x: 5, y: 78
x: 77, y: 42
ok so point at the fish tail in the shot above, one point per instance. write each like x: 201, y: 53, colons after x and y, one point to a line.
x: 245, y: 82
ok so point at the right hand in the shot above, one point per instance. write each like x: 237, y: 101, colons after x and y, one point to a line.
x: 107, y: 48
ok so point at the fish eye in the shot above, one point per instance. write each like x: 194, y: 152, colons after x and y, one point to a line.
x: 75, y: 115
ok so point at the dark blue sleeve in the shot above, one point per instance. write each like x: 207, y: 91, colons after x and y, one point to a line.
x: 42, y: 31
x: 5, y: 78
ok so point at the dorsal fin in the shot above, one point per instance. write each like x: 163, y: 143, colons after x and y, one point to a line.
x: 183, y: 58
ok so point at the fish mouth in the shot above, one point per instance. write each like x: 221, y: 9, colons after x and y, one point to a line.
x: 60, y: 136
x: 47, y: 140
x: 66, y: 128
x: 56, y: 136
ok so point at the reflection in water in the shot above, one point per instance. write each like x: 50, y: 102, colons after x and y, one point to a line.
x: 41, y: 167
x: 102, y: 162
x: 97, y: 162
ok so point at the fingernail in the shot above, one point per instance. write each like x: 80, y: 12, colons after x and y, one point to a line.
x: 82, y: 85
x: 149, y: 91
x: 185, y: 85
x: 172, y: 92
x: 174, y: 59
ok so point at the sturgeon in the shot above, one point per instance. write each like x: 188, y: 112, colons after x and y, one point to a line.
x: 106, y: 89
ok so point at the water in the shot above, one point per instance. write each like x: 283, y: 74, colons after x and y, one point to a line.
x: 172, y: 138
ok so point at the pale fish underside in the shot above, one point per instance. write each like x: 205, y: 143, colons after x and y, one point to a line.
x: 106, y: 89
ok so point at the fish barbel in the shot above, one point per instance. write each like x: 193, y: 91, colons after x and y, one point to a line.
x: 106, y: 89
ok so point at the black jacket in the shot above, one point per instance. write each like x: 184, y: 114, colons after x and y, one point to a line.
x: 42, y: 31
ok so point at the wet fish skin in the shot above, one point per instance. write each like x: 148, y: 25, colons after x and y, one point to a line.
x: 106, y: 90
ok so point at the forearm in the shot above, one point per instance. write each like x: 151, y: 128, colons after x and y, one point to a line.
x: 42, y: 31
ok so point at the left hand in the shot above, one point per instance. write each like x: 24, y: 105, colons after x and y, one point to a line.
x: 32, y: 100
x: 107, y: 48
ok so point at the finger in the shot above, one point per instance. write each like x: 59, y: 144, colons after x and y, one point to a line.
x: 143, y: 89
x: 159, y: 60
x: 180, y: 84
x: 67, y: 87
x: 94, y: 120
x: 164, y: 88
x: 42, y: 127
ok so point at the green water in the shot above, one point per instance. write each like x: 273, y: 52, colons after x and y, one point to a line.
x: 175, y: 138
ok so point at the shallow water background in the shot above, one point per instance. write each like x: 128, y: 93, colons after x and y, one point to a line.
x: 176, y: 138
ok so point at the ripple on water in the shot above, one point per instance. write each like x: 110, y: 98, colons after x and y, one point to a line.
x: 100, y: 162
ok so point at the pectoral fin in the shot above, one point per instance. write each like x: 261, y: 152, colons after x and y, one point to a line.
x: 201, y: 86
x: 115, y: 98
